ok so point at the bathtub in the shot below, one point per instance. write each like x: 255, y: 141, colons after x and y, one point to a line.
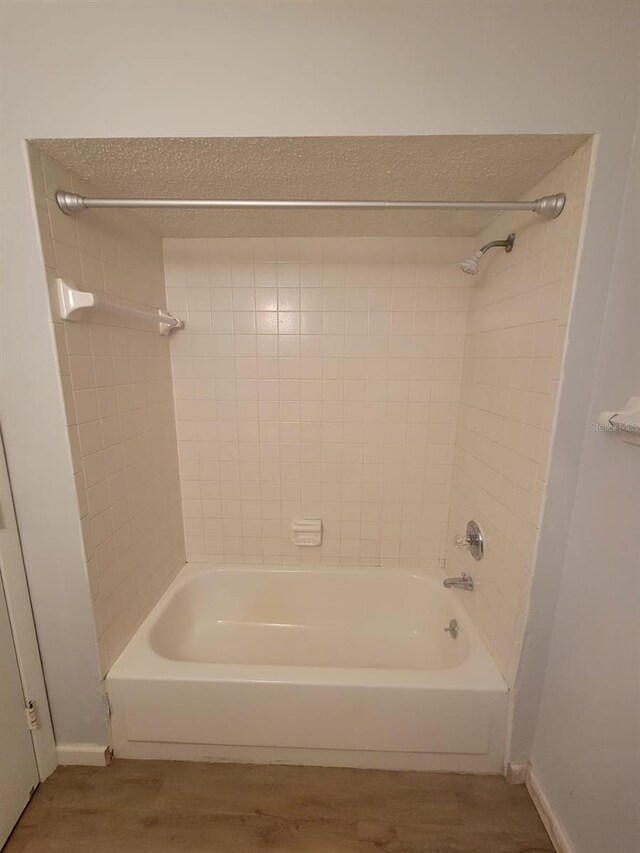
x: 344, y: 667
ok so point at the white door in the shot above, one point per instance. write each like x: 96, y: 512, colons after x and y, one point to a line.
x: 18, y: 769
x: 19, y: 773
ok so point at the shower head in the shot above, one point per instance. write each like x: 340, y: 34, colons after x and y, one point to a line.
x: 471, y: 265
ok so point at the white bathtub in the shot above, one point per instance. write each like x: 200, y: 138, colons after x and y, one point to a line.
x: 348, y: 667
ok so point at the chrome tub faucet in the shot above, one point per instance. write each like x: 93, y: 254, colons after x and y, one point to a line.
x: 463, y: 582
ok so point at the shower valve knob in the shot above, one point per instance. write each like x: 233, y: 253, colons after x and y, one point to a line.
x: 473, y: 540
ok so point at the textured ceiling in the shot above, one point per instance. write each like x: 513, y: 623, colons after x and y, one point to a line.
x: 381, y: 167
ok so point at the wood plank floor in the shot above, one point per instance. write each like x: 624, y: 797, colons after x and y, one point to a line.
x: 179, y: 807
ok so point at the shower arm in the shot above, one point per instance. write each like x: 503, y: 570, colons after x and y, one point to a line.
x: 506, y: 244
x: 549, y: 206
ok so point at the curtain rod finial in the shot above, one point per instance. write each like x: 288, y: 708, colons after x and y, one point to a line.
x: 70, y: 202
x: 550, y: 206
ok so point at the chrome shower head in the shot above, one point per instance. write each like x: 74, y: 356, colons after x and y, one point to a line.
x: 471, y: 265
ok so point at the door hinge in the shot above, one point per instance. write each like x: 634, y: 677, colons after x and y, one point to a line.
x: 32, y: 716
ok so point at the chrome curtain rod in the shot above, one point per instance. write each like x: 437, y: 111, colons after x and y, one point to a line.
x: 548, y: 206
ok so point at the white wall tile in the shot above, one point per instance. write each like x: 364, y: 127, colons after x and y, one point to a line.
x: 294, y: 382
x: 118, y: 390
x: 516, y: 328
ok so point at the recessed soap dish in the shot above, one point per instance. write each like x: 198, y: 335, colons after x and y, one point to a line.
x: 307, y: 532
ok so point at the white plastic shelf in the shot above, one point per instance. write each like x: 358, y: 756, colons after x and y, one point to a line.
x: 72, y: 301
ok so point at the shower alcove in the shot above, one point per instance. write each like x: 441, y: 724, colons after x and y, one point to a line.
x: 333, y: 364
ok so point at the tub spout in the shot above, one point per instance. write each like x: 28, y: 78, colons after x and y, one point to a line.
x: 463, y: 582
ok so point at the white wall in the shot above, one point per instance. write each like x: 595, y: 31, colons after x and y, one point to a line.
x: 193, y: 68
x: 586, y: 748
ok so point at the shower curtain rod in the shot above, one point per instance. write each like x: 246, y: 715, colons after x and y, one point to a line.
x: 548, y: 206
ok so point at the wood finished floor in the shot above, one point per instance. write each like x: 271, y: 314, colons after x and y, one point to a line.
x: 179, y: 807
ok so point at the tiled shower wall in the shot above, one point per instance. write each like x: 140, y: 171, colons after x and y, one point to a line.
x: 517, y: 324
x: 366, y: 382
x: 317, y: 378
x: 116, y: 381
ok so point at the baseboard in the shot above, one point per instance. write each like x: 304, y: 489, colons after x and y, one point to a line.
x: 557, y: 832
x: 516, y: 774
x: 87, y: 754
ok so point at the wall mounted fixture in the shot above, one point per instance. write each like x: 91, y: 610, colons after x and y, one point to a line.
x: 549, y: 206
x: 465, y: 581
x: 471, y: 265
x: 72, y: 300
x: 306, y: 532
x: 473, y: 540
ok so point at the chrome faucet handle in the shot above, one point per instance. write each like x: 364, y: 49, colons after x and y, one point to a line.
x: 473, y: 540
